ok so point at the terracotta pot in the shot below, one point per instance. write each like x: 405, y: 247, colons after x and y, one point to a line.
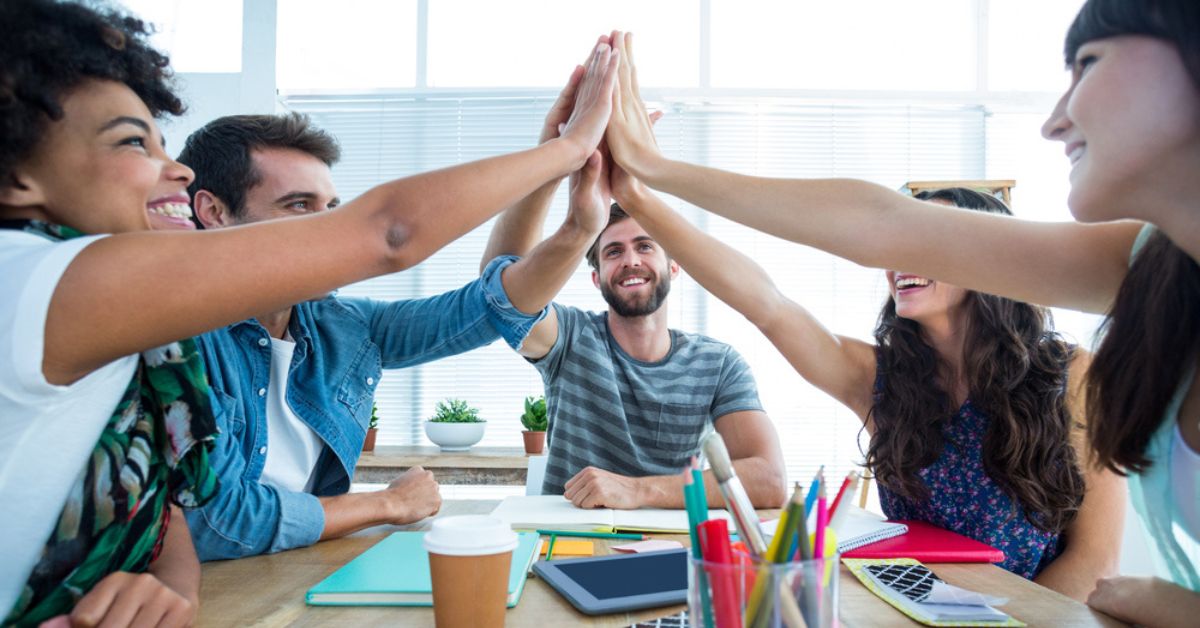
x: 535, y: 442
x: 369, y: 444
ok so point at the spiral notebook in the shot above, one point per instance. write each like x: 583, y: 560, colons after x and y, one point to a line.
x: 861, y: 527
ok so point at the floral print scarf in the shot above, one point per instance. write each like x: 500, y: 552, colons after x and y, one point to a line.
x: 153, y: 452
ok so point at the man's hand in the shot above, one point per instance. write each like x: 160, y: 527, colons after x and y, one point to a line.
x: 596, y: 488
x: 125, y: 599
x: 587, y: 208
x: 411, y: 497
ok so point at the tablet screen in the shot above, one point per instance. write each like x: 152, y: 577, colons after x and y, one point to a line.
x: 635, y: 574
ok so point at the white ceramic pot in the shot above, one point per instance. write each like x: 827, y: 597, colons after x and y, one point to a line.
x: 455, y: 436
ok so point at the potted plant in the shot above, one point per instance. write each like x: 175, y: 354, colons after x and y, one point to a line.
x: 455, y: 425
x: 372, y: 428
x: 535, y: 423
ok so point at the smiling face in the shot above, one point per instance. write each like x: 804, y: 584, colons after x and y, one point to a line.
x: 634, y: 274
x: 1130, y: 123
x: 290, y: 182
x: 923, y: 300
x: 101, y: 168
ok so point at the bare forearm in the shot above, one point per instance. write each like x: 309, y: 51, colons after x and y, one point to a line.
x: 535, y: 280
x: 1062, y: 264
x: 1074, y: 574
x: 722, y: 270
x: 764, y: 484
x: 349, y: 513
x: 177, y: 566
x: 519, y: 228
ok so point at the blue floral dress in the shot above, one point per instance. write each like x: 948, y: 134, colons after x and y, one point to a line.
x: 964, y: 499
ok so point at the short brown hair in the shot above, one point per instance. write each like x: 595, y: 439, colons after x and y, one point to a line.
x: 615, y: 215
x: 220, y: 152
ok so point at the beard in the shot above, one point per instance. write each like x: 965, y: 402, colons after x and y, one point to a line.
x: 636, y: 306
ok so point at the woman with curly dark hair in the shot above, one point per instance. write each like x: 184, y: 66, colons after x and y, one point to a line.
x: 971, y: 401
x: 105, y: 422
x: 1130, y: 126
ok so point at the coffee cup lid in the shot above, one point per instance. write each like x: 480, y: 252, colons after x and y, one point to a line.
x: 470, y: 535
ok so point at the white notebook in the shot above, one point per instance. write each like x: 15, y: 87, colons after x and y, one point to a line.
x: 555, y: 512
x: 861, y: 527
x: 857, y: 528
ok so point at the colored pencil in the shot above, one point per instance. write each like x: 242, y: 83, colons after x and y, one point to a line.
x: 822, y: 521
x: 810, y: 500
x: 850, y: 479
x: 550, y: 548
x: 595, y: 535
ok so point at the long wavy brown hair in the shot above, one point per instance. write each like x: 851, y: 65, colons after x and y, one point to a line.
x: 1152, y: 333
x: 1016, y: 368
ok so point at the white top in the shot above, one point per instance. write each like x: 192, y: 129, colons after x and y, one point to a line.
x: 1185, y: 488
x: 47, y: 432
x: 292, y: 446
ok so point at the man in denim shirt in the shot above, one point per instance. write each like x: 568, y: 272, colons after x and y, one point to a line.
x: 294, y: 388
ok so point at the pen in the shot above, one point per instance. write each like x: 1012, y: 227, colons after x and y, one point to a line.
x: 594, y: 535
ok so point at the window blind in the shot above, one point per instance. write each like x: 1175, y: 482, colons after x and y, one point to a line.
x: 387, y: 137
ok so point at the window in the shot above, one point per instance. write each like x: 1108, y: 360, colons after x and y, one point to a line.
x: 758, y: 87
x: 198, y: 35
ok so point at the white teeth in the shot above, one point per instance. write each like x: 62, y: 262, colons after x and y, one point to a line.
x: 633, y: 281
x: 1076, y: 154
x: 911, y: 282
x: 174, y: 210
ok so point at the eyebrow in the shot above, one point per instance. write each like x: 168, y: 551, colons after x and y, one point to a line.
x: 642, y: 238
x: 119, y: 120
x: 304, y: 196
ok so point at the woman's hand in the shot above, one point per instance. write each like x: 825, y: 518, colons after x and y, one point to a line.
x: 630, y: 134
x: 126, y: 599
x: 1146, y: 601
x: 593, y: 103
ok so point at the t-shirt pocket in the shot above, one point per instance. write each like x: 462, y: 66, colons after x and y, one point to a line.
x: 679, y: 428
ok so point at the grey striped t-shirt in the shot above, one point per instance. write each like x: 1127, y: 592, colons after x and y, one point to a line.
x: 611, y: 411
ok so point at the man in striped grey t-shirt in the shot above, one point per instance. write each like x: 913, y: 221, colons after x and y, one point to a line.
x: 629, y: 398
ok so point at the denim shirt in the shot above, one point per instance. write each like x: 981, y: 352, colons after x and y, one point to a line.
x: 342, y: 344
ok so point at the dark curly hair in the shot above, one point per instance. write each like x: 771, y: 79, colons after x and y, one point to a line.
x: 48, y: 48
x: 1016, y: 367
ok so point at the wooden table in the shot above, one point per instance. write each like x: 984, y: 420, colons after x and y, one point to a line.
x: 478, y: 465
x: 269, y: 591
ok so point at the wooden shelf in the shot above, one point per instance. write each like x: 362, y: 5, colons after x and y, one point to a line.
x: 505, y: 466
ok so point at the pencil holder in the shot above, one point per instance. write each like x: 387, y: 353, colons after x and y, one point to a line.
x: 749, y: 593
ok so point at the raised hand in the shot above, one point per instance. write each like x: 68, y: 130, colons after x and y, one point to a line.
x: 588, y: 204
x: 593, y: 101
x: 630, y: 134
x: 625, y: 187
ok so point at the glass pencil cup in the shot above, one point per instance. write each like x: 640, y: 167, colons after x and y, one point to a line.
x: 749, y: 593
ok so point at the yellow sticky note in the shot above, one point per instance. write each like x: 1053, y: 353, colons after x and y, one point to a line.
x: 564, y: 547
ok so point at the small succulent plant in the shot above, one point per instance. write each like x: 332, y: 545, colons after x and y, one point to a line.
x: 535, y: 419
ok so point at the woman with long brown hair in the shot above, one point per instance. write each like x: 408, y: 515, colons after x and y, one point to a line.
x: 970, y: 400
x: 1130, y: 123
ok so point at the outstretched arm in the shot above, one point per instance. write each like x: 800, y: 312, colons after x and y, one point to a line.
x: 519, y: 228
x: 387, y: 229
x: 1060, y: 264
x: 842, y: 367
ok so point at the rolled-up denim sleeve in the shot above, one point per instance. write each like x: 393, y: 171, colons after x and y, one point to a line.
x: 301, y: 520
x: 513, y: 324
x: 247, y: 518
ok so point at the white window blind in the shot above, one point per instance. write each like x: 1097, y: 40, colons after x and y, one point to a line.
x: 388, y: 137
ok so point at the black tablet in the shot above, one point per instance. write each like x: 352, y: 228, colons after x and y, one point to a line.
x: 621, y: 582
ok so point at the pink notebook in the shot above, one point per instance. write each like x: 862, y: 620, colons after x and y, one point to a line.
x: 929, y: 544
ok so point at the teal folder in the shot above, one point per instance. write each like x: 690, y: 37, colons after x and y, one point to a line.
x: 395, y: 572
